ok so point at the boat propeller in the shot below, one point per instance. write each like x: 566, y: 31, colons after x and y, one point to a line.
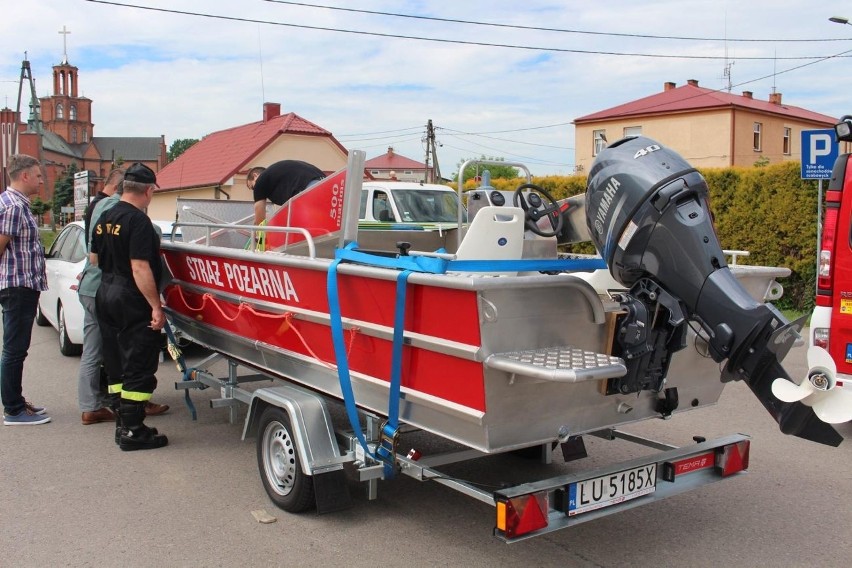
x: 830, y: 399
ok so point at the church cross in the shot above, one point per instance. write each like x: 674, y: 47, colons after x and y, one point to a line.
x: 64, y: 33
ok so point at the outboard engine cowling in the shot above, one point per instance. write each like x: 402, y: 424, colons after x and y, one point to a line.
x: 648, y: 215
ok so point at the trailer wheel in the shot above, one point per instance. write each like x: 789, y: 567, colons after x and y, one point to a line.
x: 278, y: 463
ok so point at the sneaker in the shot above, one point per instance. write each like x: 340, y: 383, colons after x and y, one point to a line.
x: 35, y: 409
x: 24, y: 418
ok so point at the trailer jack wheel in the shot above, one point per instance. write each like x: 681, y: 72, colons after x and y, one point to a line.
x: 279, y: 465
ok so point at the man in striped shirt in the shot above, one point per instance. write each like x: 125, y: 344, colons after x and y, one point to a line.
x: 22, y: 279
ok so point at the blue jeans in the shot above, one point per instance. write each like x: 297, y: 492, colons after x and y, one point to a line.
x: 19, y: 310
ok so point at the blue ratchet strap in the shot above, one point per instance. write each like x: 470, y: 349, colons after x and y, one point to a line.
x: 408, y: 264
x: 336, y: 322
x: 435, y: 265
x: 177, y: 355
x: 526, y: 265
x: 390, y: 429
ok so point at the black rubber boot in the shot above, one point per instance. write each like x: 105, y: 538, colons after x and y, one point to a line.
x: 135, y: 435
x: 114, y: 404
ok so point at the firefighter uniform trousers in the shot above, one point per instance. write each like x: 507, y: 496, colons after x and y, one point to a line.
x: 131, y: 349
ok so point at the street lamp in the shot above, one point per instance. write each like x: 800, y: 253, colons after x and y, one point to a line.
x: 839, y: 20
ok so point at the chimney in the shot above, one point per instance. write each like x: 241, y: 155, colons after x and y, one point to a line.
x: 693, y: 82
x: 747, y: 94
x: 668, y: 86
x: 271, y: 110
x: 775, y: 98
x: 390, y: 151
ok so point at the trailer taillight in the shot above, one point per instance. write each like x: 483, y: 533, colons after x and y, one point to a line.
x: 521, y: 515
x: 732, y: 458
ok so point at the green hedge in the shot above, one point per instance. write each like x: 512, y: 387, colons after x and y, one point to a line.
x: 769, y: 211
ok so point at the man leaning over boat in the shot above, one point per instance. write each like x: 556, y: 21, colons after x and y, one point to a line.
x: 279, y: 182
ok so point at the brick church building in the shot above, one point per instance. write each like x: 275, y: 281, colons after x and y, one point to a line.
x: 60, y: 131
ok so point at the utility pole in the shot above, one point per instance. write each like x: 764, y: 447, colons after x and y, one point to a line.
x: 428, y: 153
x: 434, y: 173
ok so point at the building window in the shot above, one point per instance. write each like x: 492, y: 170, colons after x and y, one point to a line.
x: 374, y: 172
x: 60, y: 113
x: 632, y: 131
x: 85, y: 135
x: 73, y: 135
x: 408, y: 172
x: 72, y: 112
x: 757, y: 128
x: 599, y: 137
x: 787, y: 149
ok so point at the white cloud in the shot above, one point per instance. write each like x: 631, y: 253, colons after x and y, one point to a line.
x: 152, y: 73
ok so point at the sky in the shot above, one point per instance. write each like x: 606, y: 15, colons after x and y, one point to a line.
x: 509, y: 89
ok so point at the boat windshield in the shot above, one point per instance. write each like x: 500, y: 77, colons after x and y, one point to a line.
x: 427, y: 206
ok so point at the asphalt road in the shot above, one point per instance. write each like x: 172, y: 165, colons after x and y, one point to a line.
x: 69, y: 497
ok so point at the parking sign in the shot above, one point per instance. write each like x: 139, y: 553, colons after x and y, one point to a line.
x: 819, y: 151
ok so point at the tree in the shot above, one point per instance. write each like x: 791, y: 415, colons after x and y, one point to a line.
x: 504, y: 172
x: 63, y: 189
x: 39, y: 207
x: 180, y: 146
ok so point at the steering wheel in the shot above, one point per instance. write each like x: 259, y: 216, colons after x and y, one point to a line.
x: 537, y: 208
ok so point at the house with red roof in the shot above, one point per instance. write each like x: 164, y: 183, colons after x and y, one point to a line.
x: 216, y: 166
x: 391, y: 165
x: 709, y: 128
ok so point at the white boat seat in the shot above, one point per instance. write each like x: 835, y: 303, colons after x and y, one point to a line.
x: 496, y: 233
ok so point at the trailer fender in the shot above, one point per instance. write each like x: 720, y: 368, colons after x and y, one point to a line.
x: 313, y: 430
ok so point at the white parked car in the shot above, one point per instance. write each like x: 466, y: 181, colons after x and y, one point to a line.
x: 59, y: 305
x: 165, y: 228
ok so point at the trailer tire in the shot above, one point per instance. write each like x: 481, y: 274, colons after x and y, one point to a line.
x: 279, y: 465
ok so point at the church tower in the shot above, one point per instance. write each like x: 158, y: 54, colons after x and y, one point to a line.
x: 65, y: 112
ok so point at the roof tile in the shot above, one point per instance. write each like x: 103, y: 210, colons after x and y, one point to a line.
x: 693, y: 98
x: 393, y: 161
x: 218, y: 156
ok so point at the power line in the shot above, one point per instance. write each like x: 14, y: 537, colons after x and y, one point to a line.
x: 558, y: 124
x: 383, y: 131
x: 379, y: 137
x: 529, y: 159
x: 458, y: 133
x: 740, y: 84
x: 360, y: 147
x: 542, y: 29
x: 451, y: 41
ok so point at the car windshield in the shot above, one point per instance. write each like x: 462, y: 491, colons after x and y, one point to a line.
x: 427, y: 206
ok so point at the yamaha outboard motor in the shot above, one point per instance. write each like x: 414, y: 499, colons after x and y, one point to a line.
x: 647, y: 212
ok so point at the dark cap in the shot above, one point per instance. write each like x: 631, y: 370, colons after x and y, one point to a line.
x: 140, y: 173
